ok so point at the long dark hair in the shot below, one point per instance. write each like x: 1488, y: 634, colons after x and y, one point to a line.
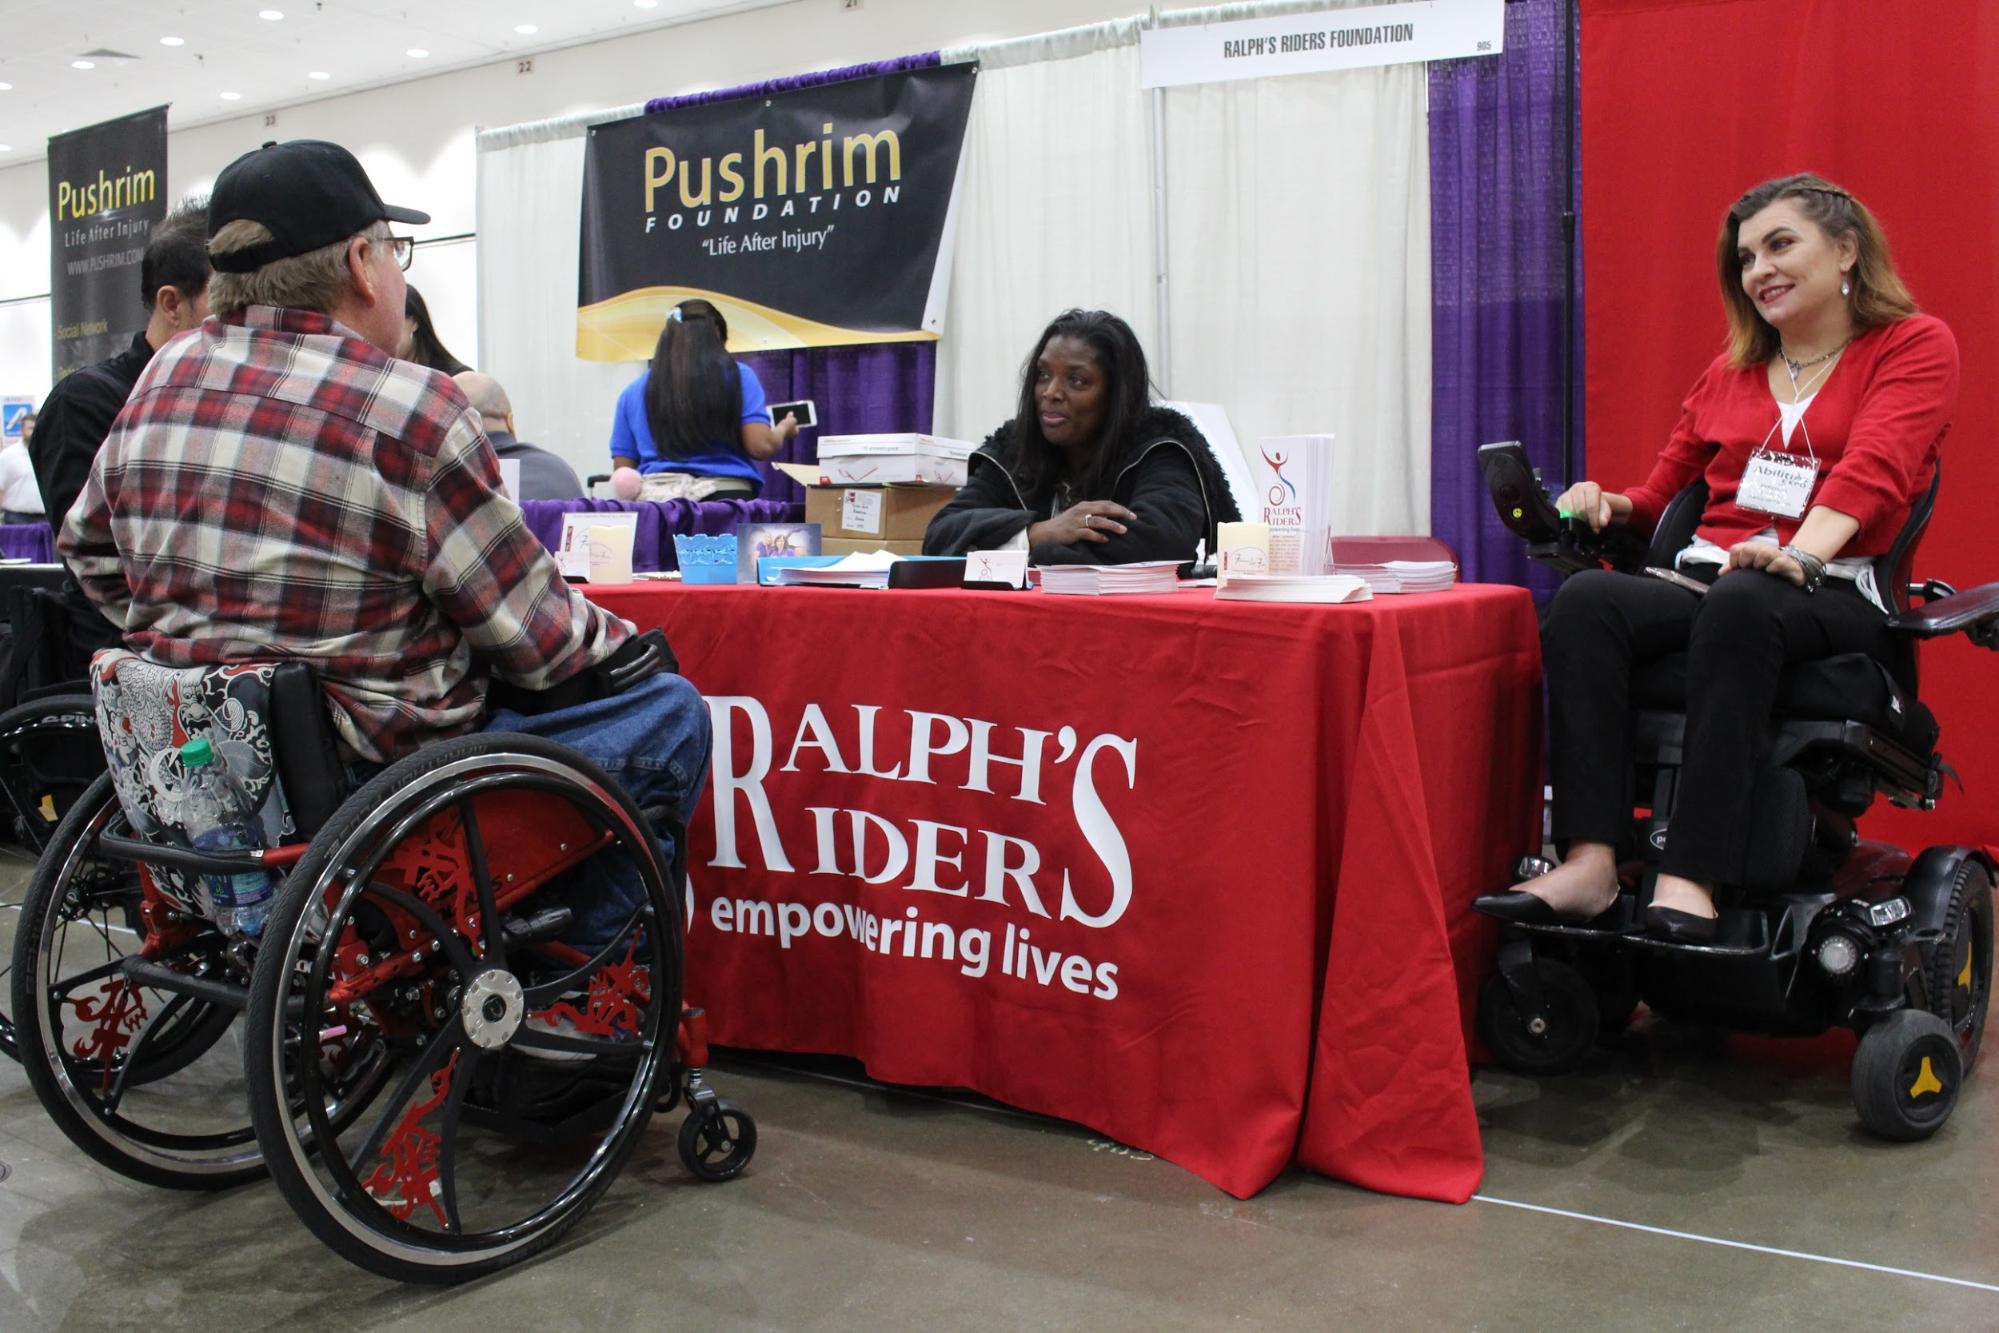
x: 1878, y: 295
x: 694, y: 394
x: 1128, y: 389
x: 426, y: 348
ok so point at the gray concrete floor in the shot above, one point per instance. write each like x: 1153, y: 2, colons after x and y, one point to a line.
x: 869, y: 1207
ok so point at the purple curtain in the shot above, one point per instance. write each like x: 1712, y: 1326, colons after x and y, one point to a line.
x: 1497, y: 172
x: 865, y: 390
x: 860, y: 390
x: 659, y: 520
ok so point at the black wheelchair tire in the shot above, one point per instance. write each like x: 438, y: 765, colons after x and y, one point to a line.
x: 717, y: 1140
x: 288, y: 1157
x: 1904, y: 1057
x: 1964, y: 950
x: 1572, y: 1029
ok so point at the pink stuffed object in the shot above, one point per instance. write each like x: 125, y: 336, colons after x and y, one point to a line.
x: 625, y: 483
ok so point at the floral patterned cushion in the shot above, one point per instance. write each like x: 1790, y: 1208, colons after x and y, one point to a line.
x: 146, y: 712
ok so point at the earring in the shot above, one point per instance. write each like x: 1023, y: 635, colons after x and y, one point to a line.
x: 1845, y: 287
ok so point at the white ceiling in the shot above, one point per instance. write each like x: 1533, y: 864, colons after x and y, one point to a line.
x: 357, y: 43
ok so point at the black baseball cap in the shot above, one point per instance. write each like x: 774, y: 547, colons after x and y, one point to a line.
x: 307, y: 193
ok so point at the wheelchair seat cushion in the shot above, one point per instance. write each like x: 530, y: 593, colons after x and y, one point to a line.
x: 146, y: 712
x: 1851, y: 687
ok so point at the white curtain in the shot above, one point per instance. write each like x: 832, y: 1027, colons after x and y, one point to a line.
x: 1298, y: 266
x: 1056, y: 211
x: 530, y: 218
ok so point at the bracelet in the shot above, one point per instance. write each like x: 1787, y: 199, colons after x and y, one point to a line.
x: 1813, y: 566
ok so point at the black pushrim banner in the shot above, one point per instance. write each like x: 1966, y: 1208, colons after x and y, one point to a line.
x: 107, y: 187
x: 810, y: 218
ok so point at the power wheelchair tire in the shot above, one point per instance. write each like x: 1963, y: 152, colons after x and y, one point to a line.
x: 521, y: 1074
x: 128, y: 1072
x: 1907, y: 1075
x: 1562, y: 1037
x: 1958, y: 973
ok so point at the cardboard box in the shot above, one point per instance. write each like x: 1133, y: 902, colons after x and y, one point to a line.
x: 850, y: 546
x: 880, y: 514
x: 930, y: 459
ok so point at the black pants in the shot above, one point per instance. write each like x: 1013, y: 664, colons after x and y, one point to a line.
x: 1604, y: 626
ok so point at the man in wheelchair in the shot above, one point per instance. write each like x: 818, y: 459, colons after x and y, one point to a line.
x: 280, y: 486
x: 1750, y: 679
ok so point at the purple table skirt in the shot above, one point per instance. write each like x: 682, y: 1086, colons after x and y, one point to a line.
x: 37, y: 542
x: 659, y: 521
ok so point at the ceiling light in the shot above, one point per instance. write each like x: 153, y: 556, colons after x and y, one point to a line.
x: 173, y: 41
x: 646, y: 4
x: 6, y: 87
x: 232, y: 97
x: 6, y: 148
x: 83, y: 64
x: 319, y: 74
x: 270, y: 15
x: 417, y: 53
x: 526, y: 29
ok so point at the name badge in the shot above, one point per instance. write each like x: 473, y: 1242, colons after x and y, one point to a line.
x: 1779, y: 484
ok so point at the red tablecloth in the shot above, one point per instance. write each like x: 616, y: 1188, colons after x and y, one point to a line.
x: 1192, y: 873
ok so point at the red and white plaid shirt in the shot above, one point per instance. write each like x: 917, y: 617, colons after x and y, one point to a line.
x: 278, y: 488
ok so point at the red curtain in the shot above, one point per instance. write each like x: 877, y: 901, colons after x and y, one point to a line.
x: 1685, y: 105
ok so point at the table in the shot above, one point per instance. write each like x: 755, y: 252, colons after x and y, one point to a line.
x: 659, y: 521
x: 1195, y: 874
x: 28, y: 541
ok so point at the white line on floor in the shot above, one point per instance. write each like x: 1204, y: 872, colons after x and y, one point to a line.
x: 1739, y: 1244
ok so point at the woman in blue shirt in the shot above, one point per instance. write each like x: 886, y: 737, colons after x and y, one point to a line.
x: 693, y: 423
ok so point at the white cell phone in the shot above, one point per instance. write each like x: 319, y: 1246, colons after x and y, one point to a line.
x: 802, y: 409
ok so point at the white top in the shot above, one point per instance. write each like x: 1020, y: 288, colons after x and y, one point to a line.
x: 18, y: 489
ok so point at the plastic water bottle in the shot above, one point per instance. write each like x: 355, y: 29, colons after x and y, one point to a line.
x: 217, y: 816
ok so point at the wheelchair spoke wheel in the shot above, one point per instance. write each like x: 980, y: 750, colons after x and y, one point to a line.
x: 500, y: 912
x: 48, y: 756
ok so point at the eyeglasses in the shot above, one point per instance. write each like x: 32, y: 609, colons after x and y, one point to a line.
x: 404, y: 249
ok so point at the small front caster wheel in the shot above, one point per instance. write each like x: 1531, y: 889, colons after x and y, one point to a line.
x: 1552, y: 1041
x: 1906, y: 1075
x: 717, y: 1141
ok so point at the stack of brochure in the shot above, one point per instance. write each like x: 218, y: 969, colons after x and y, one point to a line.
x: 1396, y: 576
x: 1097, y: 580
x: 867, y: 569
x: 1293, y: 588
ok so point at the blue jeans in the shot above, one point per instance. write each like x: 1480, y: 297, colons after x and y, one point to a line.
x: 653, y: 740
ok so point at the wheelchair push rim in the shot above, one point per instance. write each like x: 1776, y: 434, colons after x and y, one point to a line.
x: 144, y: 1079
x: 410, y: 886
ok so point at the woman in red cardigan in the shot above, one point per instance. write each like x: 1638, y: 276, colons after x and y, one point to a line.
x: 1817, y: 431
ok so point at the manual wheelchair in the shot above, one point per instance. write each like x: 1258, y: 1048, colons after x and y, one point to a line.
x: 1827, y: 929
x: 438, y: 1085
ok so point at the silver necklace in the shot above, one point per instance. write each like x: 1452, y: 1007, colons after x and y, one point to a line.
x: 1796, y: 366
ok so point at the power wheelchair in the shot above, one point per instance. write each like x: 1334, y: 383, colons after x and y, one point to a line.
x: 439, y: 1086
x: 1827, y: 929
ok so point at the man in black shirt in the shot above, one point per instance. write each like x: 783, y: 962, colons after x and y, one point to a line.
x: 173, y: 283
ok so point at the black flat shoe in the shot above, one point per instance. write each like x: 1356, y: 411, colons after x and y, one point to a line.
x: 1522, y: 908
x: 1676, y: 927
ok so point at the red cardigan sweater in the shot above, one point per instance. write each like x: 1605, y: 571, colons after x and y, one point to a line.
x: 1876, y: 426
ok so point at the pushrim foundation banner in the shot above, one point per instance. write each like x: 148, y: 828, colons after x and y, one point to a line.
x: 107, y: 187
x: 810, y: 218
x: 1326, y: 39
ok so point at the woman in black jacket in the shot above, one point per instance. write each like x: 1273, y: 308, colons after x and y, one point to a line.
x: 1088, y: 471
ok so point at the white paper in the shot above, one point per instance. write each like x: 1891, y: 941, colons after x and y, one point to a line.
x: 572, y: 549
x: 861, y: 511
x: 609, y: 552
x: 510, y: 479
x: 1008, y: 567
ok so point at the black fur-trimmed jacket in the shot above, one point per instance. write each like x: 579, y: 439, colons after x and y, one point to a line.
x: 1170, y: 480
